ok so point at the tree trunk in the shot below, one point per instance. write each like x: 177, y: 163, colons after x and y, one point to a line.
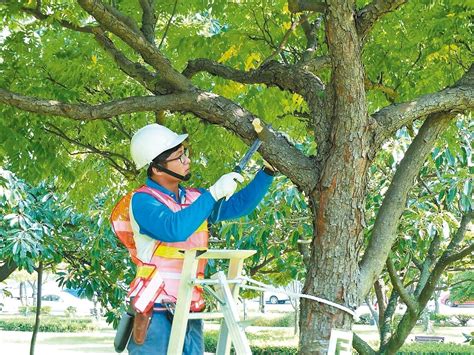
x: 338, y: 199
x: 333, y: 267
x: 297, y: 311
x: 38, y: 308
x: 404, y: 328
x: 338, y: 208
x: 23, y: 296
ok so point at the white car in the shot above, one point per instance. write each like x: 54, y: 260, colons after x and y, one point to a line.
x: 64, y: 303
x: 275, y: 297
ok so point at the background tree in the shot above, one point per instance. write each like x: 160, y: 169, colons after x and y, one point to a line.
x: 463, y: 288
x: 40, y: 226
x: 336, y: 79
x: 433, y: 226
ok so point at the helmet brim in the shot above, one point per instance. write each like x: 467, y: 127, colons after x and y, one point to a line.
x: 180, y: 139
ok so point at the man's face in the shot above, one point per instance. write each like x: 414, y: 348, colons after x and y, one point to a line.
x: 178, y: 162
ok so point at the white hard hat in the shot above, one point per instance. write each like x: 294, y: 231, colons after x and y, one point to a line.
x: 152, y: 140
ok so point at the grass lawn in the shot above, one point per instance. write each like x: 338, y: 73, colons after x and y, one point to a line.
x: 100, y: 342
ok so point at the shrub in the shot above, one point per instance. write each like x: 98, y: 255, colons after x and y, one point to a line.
x: 45, y: 310
x: 70, y: 311
x: 435, y: 348
x: 463, y: 319
x: 47, y: 324
x: 442, y: 320
x: 287, y: 320
x: 365, y: 319
x: 210, y: 345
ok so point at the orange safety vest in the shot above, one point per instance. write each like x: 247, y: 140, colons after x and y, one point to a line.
x: 165, y: 263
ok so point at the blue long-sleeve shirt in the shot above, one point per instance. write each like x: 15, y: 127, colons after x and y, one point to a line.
x: 159, y: 222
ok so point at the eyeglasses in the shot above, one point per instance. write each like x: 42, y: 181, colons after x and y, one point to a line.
x: 182, y: 158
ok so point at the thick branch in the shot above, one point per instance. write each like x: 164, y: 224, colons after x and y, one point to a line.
x: 133, y: 69
x: 370, y: 14
x: 458, y: 256
x: 85, y: 112
x: 286, y: 77
x: 7, y: 269
x: 397, y: 284
x: 447, y: 258
x: 113, y: 23
x: 379, y: 294
x: 458, y: 98
x: 361, y: 346
x: 40, y: 16
x: 459, y: 236
x: 386, y: 322
x: 311, y: 33
x: 276, y: 148
x: 306, y: 5
x: 428, y: 263
x: 148, y: 20
x: 386, y: 223
x: 417, y: 263
x: 316, y: 64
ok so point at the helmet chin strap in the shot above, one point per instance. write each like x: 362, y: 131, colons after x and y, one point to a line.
x: 172, y: 173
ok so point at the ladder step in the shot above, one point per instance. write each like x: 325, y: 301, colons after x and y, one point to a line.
x: 214, y: 282
x: 206, y: 315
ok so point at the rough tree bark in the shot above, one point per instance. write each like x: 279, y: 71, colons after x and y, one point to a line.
x: 339, y: 195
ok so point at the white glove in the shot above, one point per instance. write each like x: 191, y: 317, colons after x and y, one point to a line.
x: 225, y: 186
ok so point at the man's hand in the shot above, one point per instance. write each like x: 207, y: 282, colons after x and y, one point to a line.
x: 225, y: 186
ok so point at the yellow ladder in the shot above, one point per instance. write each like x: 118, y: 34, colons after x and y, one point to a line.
x: 226, y: 290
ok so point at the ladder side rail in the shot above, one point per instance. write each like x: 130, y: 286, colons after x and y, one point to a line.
x: 231, y: 318
x: 235, y: 269
x: 181, y: 316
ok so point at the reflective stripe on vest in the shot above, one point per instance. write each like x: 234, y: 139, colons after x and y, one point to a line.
x: 166, y: 256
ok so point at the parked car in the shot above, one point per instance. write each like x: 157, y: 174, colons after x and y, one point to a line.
x: 451, y: 303
x: 62, y: 302
x: 275, y: 297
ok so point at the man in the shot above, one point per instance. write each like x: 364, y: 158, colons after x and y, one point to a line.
x: 166, y: 217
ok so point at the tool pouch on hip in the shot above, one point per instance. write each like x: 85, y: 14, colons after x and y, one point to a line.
x: 140, y: 326
x: 124, y: 330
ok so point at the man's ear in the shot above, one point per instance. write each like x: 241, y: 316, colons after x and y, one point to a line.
x: 156, y: 171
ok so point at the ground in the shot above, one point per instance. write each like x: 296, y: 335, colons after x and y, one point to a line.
x: 101, y: 342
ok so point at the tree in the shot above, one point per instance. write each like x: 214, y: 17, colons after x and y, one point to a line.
x: 432, y: 227
x: 335, y: 78
x: 40, y: 230
x: 463, y: 289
